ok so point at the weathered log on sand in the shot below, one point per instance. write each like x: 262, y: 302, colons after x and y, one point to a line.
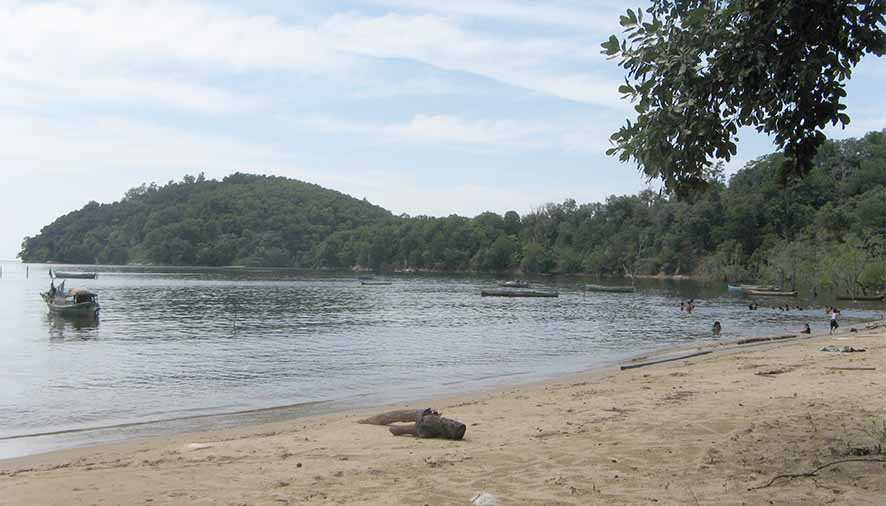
x: 431, y: 426
x: 400, y: 415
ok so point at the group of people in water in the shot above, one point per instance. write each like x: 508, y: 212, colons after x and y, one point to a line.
x: 717, y: 329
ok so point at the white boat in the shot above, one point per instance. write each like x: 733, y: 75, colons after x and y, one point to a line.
x: 77, y: 302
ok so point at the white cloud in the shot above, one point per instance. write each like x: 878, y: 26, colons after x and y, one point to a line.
x: 109, y: 51
x: 94, y: 51
x: 437, y: 41
x: 534, y: 12
x: 447, y: 130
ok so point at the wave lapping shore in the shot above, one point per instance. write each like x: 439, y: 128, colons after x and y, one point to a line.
x: 705, y: 430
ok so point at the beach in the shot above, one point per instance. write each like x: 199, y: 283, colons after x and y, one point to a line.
x: 702, y: 430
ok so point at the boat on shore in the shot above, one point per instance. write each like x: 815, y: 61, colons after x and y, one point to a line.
x: 873, y: 298
x: 516, y: 283
x: 614, y: 289
x: 772, y: 293
x: 77, y: 302
x: 507, y: 292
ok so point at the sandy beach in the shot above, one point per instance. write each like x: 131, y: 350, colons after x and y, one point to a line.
x: 697, y: 431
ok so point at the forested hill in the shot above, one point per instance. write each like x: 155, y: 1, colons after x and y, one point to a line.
x: 242, y: 220
x: 825, y: 230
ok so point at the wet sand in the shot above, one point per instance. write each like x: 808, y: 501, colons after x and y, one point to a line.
x: 697, y: 431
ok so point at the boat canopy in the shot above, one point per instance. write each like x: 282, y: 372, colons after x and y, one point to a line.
x: 80, y: 292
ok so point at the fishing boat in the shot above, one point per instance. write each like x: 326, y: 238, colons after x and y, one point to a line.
x: 516, y: 283
x: 507, y: 292
x: 375, y: 283
x: 604, y: 288
x: 72, y: 275
x: 771, y: 293
x: 862, y: 297
x: 77, y: 302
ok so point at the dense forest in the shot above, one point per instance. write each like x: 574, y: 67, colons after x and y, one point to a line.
x: 826, y: 231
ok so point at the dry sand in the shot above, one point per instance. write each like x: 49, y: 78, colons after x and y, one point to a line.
x: 697, y: 431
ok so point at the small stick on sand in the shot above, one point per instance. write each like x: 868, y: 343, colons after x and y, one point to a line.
x: 815, y: 471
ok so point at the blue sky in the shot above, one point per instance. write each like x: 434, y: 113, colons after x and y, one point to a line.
x: 421, y: 106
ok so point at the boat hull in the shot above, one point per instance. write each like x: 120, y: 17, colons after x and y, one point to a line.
x: 770, y: 293
x: 74, y: 275
x: 84, y: 309
x: 872, y: 298
x: 613, y: 289
x: 518, y: 293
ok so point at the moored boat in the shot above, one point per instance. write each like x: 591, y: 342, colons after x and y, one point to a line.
x: 604, y: 288
x: 516, y: 283
x: 375, y: 283
x: 72, y: 275
x: 506, y: 292
x: 771, y: 293
x: 77, y: 302
x: 862, y: 297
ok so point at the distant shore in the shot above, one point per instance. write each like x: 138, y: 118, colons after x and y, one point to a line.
x: 704, y: 429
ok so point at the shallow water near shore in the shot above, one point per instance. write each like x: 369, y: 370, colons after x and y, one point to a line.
x: 197, y: 349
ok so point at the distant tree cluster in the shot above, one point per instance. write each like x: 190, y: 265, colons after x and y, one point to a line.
x: 826, y: 231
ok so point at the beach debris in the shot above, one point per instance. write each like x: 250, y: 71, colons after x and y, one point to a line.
x: 198, y: 446
x: 484, y: 499
x: 661, y: 361
x: 751, y: 340
x: 841, y: 349
x: 815, y: 471
x: 423, y: 423
x: 400, y: 415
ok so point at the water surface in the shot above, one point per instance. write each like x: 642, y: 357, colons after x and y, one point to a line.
x: 177, y: 347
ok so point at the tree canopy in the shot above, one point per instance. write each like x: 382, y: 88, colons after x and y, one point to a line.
x: 825, y: 231
x: 698, y: 70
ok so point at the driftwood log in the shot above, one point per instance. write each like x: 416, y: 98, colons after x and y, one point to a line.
x: 423, y: 423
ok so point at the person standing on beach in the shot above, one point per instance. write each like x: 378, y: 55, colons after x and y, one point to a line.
x: 834, y: 325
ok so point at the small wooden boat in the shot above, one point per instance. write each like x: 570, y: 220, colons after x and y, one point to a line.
x: 771, y: 293
x: 604, y: 288
x: 73, y: 275
x: 515, y: 284
x: 77, y: 302
x: 863, y: 297
x: 506, y: 292
x: 376, y: 283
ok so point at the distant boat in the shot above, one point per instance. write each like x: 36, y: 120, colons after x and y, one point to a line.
x: 375, y: 283
x: 862, y: 297
x: 75, y: 302
x: 516, y: 283
x: 771, y: 293
x: 507, y: 292
x: 735, y: 288
x: 604, y: 288
x: 72, y: 275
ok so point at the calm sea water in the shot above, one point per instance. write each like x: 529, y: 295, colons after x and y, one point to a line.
x: 192, y: 349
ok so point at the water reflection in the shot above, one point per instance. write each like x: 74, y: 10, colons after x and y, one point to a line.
x: 71, y: 327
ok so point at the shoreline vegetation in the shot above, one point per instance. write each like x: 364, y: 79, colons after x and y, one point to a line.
x: 823, y: 233
x: 707, y: 428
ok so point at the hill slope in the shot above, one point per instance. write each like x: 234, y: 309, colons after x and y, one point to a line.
x: 242, y: 220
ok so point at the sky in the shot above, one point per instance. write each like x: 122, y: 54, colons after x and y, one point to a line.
x: 421, y: 106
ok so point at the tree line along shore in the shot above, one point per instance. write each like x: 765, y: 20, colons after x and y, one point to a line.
x: 823, y: 232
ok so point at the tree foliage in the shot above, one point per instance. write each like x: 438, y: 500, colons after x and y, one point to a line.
x: 698, y: 70
x: 825, y: 231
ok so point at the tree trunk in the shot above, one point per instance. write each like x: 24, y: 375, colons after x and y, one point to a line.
x: 432, y: 426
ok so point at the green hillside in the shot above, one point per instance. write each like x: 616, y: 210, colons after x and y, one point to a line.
x: 826, y: 231
x: 241, y: 220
